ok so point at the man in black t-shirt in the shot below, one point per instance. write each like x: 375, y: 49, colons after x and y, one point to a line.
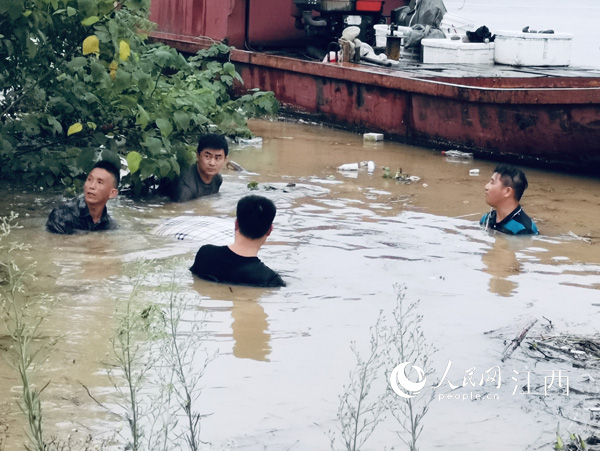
x: 238, y: 263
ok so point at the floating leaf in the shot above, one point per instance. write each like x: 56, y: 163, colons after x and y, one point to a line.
x: 90, y: 21
x: 124, y: 50
x: 91, y: 45
x: 75, y: 128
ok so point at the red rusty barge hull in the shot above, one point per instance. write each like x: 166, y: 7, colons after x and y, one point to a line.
x: 540, y: 116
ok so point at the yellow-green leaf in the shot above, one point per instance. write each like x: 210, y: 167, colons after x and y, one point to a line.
x: 27, y: 12
x: 90, y: 21
x: 124, y: 50
x: 91, y: 44
x: 75, y: 128
x: 133, y: 161
x: 559, y: 443
x: 91, y: 125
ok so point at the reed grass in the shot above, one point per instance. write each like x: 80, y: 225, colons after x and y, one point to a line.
x: 364, y: 405
x: 22, y: 318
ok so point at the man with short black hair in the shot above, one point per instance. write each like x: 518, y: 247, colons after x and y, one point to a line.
x: 503, y: 193
x: 88, y: 212
x: 202, y: 178
x: 238, y: 263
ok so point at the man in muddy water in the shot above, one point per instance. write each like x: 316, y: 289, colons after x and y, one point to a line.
x: 202, y: 178
x: 88, y: 212
x: 238, y: 263
x: 503, y: 193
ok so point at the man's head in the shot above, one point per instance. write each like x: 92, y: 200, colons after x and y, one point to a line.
x: 211, y: 155
x: 102, y: 184
x: 506, y: 185
x: 255, y: 216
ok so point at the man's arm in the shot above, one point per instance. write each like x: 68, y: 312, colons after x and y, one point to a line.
x: 57, y: 223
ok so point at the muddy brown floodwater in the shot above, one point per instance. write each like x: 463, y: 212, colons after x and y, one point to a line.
x: 341, y: 241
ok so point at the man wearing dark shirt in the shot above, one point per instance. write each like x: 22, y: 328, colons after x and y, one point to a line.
x: 202, y: 178
x: 88, y: 212
x: 503, y: 193
x: 238, y: 263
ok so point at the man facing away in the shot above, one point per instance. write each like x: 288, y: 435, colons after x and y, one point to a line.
x: 238, y: 263
x: 202, y: 178
x: 503, y: 193
x: 88, y: 212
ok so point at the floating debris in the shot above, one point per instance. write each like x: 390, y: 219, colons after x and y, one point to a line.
x: 400, y: 177
x: 253, y: 185
x: 373, y: 137
x: 250, y: 142
x: 348, y: 167
x: 580, y: 351
x: 581, y: 238
x: 287, y: 188
x: 457, y: 154
x: 234, y: 166
x: 370, y: 165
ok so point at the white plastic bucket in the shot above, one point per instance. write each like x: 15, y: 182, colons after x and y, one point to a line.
x: 381, y: 31
x: 516, y: 48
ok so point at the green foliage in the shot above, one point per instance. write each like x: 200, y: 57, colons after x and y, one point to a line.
x: 80, y: 82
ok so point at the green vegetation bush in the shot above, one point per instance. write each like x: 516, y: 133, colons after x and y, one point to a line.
x: 79, y: 78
